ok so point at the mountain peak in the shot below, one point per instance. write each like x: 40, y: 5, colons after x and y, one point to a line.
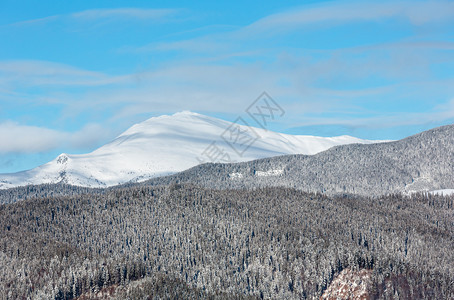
x: 182, y: 115
x: 62, y: 158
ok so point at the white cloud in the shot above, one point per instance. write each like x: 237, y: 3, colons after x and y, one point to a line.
x: 17, y: 138
x: 27, y: 139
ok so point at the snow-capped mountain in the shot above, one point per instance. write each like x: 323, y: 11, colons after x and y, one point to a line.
x: 169, y: 144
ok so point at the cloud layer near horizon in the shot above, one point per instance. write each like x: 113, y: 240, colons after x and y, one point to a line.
x: 33, y: 139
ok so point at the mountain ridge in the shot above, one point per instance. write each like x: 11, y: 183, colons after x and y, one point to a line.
x: 161, y: 146
x: 419, y: 163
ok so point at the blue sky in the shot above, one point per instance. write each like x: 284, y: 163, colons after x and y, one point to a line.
x: 74, y: 74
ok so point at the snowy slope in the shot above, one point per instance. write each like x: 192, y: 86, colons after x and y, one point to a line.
x: 165, y: 145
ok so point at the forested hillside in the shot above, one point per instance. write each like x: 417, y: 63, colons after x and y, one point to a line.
x: 45, y: 191
x: 418, y: 163
x: 184, y: 241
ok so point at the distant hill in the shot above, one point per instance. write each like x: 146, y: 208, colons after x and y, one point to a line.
x: 422, y: 162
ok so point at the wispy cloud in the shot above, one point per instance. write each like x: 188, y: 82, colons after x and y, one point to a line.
x: 107, y: 14
x: 26, y: 73
x: 33, y: 22
x: 216, y: 87
x: 194, y: 45
x: 124, y: 13
x: 416, y: 12
x: 437, y: 114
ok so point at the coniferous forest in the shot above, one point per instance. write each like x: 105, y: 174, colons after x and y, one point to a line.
x: 187, y: 242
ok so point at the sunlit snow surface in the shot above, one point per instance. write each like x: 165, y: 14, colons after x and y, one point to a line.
x: 445, y: 192
x: 164, y: 145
